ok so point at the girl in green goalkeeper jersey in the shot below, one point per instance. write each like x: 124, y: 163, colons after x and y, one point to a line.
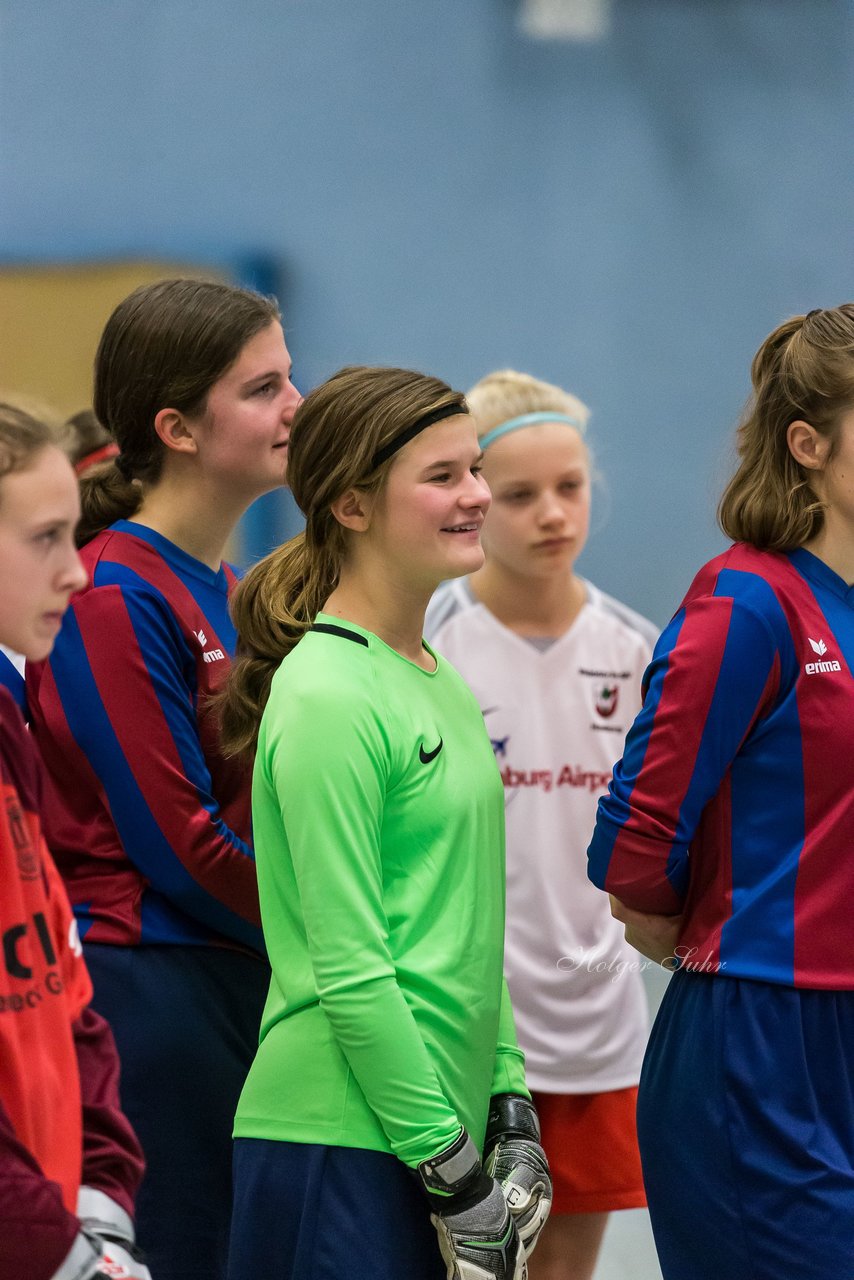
x: 388, y: 1090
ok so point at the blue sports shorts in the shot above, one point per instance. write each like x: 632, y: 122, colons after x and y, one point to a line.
x: 746, y: 1131
x: 185, y: 1020
x: 308, y: 1212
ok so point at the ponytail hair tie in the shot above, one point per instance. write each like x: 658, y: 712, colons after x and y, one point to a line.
x: 101, y: 454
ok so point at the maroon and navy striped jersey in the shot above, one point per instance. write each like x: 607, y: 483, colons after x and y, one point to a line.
x: 150, y: 825
x: 733, y: 802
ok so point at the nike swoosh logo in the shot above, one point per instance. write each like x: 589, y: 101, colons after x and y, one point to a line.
x: 426, y: 756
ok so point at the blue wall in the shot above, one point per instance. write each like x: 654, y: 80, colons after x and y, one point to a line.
x: 629, y: 218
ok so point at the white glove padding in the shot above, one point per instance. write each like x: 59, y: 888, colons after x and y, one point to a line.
x: 477, y: 1235
x: 515, y: 1158
x: 107, y: 1225
x: 90, y: 1258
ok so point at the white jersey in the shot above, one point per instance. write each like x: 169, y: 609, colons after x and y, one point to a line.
x: 557, y: 715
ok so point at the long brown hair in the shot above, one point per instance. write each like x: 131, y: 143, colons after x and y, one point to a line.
x: 804, y: 369
x: 164, y: 346
x: 336, y: 432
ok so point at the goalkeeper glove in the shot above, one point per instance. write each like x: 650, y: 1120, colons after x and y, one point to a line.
x: 514, y: 1157
x: 477, y: 1235
x: 107, y: 1225
x: 90, y: 1258
x: 121, y: 1262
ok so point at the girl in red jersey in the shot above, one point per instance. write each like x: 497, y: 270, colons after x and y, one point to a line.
x: 60, y: 1122
x: 192, y: 379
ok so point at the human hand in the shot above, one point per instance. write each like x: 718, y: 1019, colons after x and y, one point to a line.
x: 109, y: 1228
x: 515, y: 1158
x: 477, y: 1234
x: 654, y: 936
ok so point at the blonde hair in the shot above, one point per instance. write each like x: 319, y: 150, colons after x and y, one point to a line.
x: 336, y: 433
x: 803, y: 370
x: 506, y: 394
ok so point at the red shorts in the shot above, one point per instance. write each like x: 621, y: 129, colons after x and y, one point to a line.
x: 592, y: 1146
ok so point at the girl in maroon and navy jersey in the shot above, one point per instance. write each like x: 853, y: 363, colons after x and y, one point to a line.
x: 192, y: 379
x: 726, y: 844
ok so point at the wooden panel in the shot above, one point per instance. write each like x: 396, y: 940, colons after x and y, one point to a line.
x: 51, y: 319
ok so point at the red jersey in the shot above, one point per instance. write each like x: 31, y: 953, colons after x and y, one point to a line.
x: 44, y: 985
x: 60, y: 1121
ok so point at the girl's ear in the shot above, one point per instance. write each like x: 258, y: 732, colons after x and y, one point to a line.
x: 171, y: 426
x: 353, y: 509
x: 806, y: 445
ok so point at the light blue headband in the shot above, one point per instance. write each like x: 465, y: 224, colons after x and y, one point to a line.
x: 528, y: 420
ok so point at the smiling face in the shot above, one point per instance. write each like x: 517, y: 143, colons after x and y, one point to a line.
x: 39, y: 565
x: 425, y: 522
x: 540, y: 515
x: 243, y: 436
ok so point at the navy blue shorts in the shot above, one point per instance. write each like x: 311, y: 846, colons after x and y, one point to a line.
x: 185, y: 1020
x: 746, y: 1130
x: 307, y: 1212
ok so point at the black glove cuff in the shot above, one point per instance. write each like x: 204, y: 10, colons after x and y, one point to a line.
x: 454, y: 1179
x: 510, y: 1115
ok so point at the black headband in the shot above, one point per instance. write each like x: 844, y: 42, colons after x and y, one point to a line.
x: 409, y: 433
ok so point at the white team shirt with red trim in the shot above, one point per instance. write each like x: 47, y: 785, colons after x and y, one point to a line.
x: 557, y: 719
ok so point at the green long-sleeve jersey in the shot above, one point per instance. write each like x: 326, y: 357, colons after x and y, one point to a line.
x: 378, y: 816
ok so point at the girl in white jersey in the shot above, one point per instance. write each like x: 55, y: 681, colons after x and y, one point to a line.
x: 556, y: 666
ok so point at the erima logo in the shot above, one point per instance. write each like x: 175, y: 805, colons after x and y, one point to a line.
x: 819, y: 668
x: 209, y: 655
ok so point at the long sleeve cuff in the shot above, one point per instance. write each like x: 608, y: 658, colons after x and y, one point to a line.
x: 97, y: 1210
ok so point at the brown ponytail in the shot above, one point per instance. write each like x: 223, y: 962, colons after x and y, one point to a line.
x: 272, y: 608
x: 105, y: 496
x: 804, y: 369
x: 336, y: 432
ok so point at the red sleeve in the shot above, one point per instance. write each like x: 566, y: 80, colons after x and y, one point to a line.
x: 112, y: 1157
x: 36, y: 1230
